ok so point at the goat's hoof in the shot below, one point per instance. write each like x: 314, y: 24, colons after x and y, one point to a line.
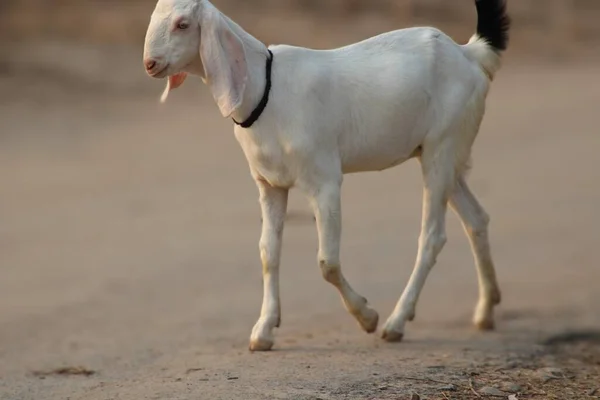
x: 485, y: 325
x: 392, y: 336
x: 369, y: 320
x: 259, y: 344
x: 496, y: 297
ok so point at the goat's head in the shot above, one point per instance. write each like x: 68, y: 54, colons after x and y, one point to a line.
x: 192, y: 36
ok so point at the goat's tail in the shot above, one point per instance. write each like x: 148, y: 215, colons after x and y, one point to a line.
x: 491, y: 38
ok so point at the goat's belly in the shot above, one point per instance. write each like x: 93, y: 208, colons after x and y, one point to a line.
x: 376, y: 161
x: 377, y: 151
x: 384, y: 137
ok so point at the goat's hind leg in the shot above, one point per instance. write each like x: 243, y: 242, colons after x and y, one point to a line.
x: 438, y: 166
x: 475, y: 222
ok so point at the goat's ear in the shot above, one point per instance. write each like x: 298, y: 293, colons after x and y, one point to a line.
x: 224, y: 59
x: 173, y: 83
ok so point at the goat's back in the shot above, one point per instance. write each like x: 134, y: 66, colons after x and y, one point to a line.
x: 375, y: 100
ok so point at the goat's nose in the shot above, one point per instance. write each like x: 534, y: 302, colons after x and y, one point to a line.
x: 149, y: 64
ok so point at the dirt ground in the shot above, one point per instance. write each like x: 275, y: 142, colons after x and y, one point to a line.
x: 130, y: 270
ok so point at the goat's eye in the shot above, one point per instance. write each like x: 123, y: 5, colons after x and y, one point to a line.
x: 182, y: 25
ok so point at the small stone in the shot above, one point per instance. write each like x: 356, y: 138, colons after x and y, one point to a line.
x: 547, y: 374
x: 383, y: 387
x: 559, y: 373
x: 511, y: 387
x: 491, y: 391
x: 447, y: 388
x: 231, y: 378
x: 436, y: 367
x: 415, y: 396
x: 512, y: 397
x: 512, y: 365
x: 592, y: 391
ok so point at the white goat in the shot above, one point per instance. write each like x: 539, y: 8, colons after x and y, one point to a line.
x: 311, y: 116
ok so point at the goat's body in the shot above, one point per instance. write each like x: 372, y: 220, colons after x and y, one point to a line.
x: 369, y: 106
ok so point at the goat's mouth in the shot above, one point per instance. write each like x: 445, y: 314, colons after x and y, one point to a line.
x: 160, y: 73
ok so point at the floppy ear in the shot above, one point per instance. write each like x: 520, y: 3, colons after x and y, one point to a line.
x: 224, y: 59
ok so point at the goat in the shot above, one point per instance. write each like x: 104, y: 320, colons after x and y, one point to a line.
x: 306, y: 117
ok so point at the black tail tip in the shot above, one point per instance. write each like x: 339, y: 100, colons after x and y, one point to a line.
x: 493, y: 23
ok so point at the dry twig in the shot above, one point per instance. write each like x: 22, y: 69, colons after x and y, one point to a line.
x: 65, y: 371
x: 472, y: 388
x: 414, y: 378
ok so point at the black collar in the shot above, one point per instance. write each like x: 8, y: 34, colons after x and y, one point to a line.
x: 265, y: 99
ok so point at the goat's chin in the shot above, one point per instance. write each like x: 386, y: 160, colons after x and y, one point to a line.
x: 163, y: 73
x: 174, y: 69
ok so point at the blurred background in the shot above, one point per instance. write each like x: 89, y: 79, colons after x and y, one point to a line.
x: 129, y: 229
x: 540, y: 26
x: 114, y: 20
x: 55, y: 36
x: 554, y: 30
x: 570, y: 23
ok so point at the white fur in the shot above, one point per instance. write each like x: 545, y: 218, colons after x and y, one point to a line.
x: 368, y: 106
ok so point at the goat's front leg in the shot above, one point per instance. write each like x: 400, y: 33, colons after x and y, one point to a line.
x: 327, y: 208
x: 273, y: 202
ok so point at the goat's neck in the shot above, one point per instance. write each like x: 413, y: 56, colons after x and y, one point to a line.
x: 256, y: 59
